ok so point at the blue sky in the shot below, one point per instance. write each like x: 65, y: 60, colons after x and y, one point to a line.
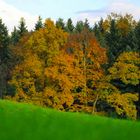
x: 12, y: 10
x: 56, y: 8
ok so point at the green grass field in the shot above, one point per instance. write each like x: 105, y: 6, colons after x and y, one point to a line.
x: 28, y: 122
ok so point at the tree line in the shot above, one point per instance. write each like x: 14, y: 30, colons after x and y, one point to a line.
x: 75, y: 68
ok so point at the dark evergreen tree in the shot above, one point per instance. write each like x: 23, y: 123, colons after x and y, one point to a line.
x: 39, y: 23
x: 86, y: 25
x: 60, y: 23
x: 96, y: 30
x: 79, y: 26
x: 4, y: 42
x: 4, y: 57
x: 130, y: 42
x: 113, y: 39
x: 69, y: 26
x: 14, y: 36
x: 22, y: 29
x: 101, y: 26
x: 137, y: 35
x: 99, y: 34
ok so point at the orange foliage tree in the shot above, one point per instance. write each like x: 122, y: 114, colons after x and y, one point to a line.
x: 89, y: 58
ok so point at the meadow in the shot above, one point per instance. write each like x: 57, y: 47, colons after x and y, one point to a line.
x: 19, y: 121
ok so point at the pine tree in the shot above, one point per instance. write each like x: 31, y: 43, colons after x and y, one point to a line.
x: 79, y: 26
x: 137, y: 33
x: 101, y: 26
x: 99, y: 35
x: 130, y: 42
x: 69, y: 26
x: 113, y: 42
x: 60, y: 23
x: 39, y: 23
x: 86, y: 25
x: 14, y: 36
x: 4, y: 42
x: 4, y: 56
x: 22, y: 29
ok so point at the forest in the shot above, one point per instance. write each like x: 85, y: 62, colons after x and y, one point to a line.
x: 70, y: 67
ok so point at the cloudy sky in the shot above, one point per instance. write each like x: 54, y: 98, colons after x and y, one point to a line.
x: 12, y: 10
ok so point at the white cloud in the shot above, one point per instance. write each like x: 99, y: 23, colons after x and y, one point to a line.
x: 11, y: 16
x: 117, y: 6
x: 125, y: 7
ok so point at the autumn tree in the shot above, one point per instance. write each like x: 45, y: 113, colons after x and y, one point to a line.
x: 63, y: 77
x: 36, y: 54
x: 90, y: 57
x: 66, y: 67
x: 126, y: 24
x: 124, y: 104
x: 113, y: 102
x: 121, y: 36
x: 25, y: 77
x: 125, y: 75
x: 125, y: 71
x: 117, y: 34
x: 118, y: 91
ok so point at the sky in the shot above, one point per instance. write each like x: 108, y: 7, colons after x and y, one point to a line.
x: 12, y: 10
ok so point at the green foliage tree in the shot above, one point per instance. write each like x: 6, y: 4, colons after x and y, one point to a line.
x: 86, y: 25
x: 14, y: 36
x: 100, y: 33
x: 137, y: 34
x: 113, y: 42
x: 39, y: 23
x: 79, y: 26
x: 4, y: 57
x: 22, y: 28
x: 69, y: 26
x: 60, y: 24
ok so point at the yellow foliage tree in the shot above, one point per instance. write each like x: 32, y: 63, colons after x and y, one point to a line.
x: 34, y: 54
x: 125, y: 75
x: 124, y: 104
x: 126, y: 68
x: 62, y: 77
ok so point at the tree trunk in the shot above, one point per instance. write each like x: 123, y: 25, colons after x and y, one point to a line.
x: 85, y: 72
x: 3, y: 83
x: 94, y: 104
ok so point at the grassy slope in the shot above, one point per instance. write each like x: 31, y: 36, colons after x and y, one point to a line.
x: 27, y: 122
